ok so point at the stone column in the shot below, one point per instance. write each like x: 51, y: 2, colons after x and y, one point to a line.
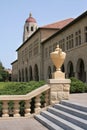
x: 59, y: 90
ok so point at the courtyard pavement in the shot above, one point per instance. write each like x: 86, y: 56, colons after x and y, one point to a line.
x: 31, y: 123
x: 80, y: 98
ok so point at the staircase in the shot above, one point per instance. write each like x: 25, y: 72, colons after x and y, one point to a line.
x: 64, y: 116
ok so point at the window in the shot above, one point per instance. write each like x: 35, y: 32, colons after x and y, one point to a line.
x: 69, y: 42
x: 85, y: 34
x: 62, y: 44
x: 32, y: 29
x: 27, y: 29
x: 78, y: 37
x: 66, y: 45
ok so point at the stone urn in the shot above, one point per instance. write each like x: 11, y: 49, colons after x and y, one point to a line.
x: 58, y: 58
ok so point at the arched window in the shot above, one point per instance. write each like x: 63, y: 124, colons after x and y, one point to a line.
x: 81, y: 70
x: 32, y: 28
x: 49, y: 72
x: 70, y: 69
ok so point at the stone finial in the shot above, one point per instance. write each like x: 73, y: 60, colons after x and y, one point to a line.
x: 30, y: 15
x: 58, y: 57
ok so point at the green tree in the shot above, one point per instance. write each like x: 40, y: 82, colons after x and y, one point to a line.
x: 3, y: 73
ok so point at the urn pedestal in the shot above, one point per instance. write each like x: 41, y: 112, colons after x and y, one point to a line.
x: 59, y: 85
x: 58, y: 75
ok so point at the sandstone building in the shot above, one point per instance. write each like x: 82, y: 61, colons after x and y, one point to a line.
x: 33, y: 61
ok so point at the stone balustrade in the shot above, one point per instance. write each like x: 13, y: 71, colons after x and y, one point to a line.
x: 24, y: 105
x: 32, y: 103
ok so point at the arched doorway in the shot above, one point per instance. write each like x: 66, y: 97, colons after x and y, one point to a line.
x: 70, y: 69
x: 63, y: 68
x: 54, y: 68
x: 19, y: 75
x: 26, y: 74
x: 23, y: 75
x: 36, y: 73
x: 49, y: 72
x: 81, y: 70
x: 30, y: 74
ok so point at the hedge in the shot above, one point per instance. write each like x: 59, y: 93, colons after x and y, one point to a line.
x: 77, y: 86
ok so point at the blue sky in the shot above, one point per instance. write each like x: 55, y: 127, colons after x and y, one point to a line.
x: 13, y: 14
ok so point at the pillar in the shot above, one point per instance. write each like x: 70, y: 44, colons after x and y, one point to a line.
x: 59, y: 90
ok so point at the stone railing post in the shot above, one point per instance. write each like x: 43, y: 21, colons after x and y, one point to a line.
x: 16, y: 108
x: 59, y: 90
x: 27, y: 108
x: 37, y: 103
x: 5, y: 109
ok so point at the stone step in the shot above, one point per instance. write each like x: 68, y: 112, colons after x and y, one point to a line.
x: 72, y: 111
x: 60, y: 122
x: 47, y: 123
x: 71, y: 118
x: 67, y: 116
x: 74, y: 105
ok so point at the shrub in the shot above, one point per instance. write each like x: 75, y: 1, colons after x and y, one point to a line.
x: 86, y: 87
x: 19, y: 88
x: 77, y: 86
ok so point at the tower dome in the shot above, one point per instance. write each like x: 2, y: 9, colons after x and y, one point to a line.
x: 30, y: 19
x: 29, y: 27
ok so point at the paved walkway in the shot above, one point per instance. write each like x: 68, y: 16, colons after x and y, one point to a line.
x: 80, y: 98
x: 21, y: 124
x: 31, y: 123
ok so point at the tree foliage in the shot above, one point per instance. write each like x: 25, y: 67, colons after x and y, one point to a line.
x: 3, y: 73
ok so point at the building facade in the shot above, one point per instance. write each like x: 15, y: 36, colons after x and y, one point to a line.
x: 34, y: 61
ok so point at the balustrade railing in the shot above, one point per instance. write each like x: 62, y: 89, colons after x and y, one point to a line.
x: 25, y: 105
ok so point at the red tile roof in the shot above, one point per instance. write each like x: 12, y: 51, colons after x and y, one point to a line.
x: 59, y: 24
x: 30, y: 19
